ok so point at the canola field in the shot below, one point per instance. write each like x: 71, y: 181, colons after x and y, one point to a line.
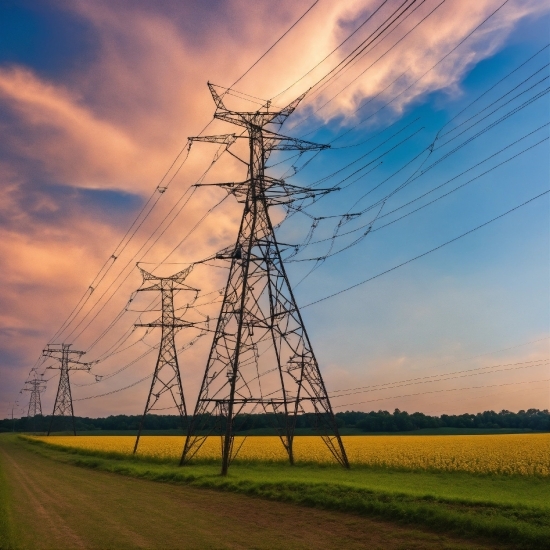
x: 510, y: 454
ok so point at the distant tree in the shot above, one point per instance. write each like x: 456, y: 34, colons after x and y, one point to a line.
x: 374, y: 421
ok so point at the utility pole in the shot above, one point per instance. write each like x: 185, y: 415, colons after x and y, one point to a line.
x: 261, y: 356
x: 35, y: 386
x: 167, y: 377
x: 63, y: 405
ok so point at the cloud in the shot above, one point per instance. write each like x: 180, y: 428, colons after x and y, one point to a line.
x: 116, y: 124
x: 72, y: 145
x: 414, y: 57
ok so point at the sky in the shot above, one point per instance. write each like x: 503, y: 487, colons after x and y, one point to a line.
x: 441, y: 100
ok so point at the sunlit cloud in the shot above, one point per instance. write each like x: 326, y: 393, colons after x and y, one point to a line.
x: 116, y: 124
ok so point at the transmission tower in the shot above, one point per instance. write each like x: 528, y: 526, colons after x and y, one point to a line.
x: 36, y: 386
x: 261, y: 356
x: 166, y: 378
x: 63, y: 405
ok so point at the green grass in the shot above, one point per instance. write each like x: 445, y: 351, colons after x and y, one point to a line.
x: 7, y: 537
x: 60, y: 505
x: 506, y: 508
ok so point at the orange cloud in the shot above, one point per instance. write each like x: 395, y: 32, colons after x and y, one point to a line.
x: 118, y: 123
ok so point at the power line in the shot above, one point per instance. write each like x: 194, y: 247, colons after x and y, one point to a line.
x: 463, y: 144
x: 188, y: 145
x: 372, y: 229
x: 119, y: 370
x: 376, y: 61
x: 440, y: 135
x: 431, y: 148
x: 146, y: 252
x: 369, y: 17
x: 528, y: 102
x: 116, y: 391
x: 190, y: 190
x: 119, y: 249
x: 430, y: 69
x: 506, y: 76
x: 109, y: 327
x: 153, y: 348
x: 428, y: 252
x: 440, y: 411
x: 274, y: 44
x: 459, y: 361
x: 440, y: 391
x: 370, y: 40
x: 436, y: 378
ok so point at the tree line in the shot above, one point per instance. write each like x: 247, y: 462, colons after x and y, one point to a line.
x: 374, y: 421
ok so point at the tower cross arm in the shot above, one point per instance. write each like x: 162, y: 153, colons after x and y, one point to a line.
x: 34, y: 383
x: 216, y: 97
x: 278, y: 142
x: 233, y: 117
x: 176, y: 324
x: 228, y: 184
x: 81, y: 366
x: 283, y: 114
x: 222, y: 139
x: 75, y: 365
x: 173, y: 285
x: 50, y: 351
x: 244, y: 118
x: 223, y: 113
x: 156, y: 283
x: 290, y: 144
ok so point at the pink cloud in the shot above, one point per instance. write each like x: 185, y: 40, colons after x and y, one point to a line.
x: 118, y: 123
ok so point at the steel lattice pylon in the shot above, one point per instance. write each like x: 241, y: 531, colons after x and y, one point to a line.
x: 63, y: 405
x: 35, y: 386
x: 167, y: 377
x: 261, y: 356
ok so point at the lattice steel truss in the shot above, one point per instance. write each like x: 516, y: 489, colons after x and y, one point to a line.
x: 167, y: 377
x: 261, y: 357
x: 36, y: 386
x: 63, y: 405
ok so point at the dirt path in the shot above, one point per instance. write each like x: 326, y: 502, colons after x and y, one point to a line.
x: 60, y: 506
x: 41, y: 505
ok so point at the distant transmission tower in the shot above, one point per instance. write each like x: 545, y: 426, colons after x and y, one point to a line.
x: 35, y: 386
x: 261, y: 356
x: 63, y: 405
x: 166, y: 378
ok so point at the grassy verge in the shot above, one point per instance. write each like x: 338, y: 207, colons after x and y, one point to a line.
x: 7, y: 537
x: 508, y: 509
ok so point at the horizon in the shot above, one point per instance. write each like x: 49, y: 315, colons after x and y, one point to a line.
x: 441, y: 310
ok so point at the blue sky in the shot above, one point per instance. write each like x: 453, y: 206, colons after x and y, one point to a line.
x: 96, y: 102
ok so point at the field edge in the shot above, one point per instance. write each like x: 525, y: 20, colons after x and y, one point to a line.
x: 7, y: 535
x: 522, y: 526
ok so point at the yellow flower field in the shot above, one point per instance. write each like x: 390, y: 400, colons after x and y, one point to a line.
x: 520, y: 454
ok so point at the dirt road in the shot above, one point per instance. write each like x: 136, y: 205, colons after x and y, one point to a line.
x: 55, y: 505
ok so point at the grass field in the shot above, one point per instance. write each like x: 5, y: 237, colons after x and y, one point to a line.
x: 48, y: 502
x: 507, y: 509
